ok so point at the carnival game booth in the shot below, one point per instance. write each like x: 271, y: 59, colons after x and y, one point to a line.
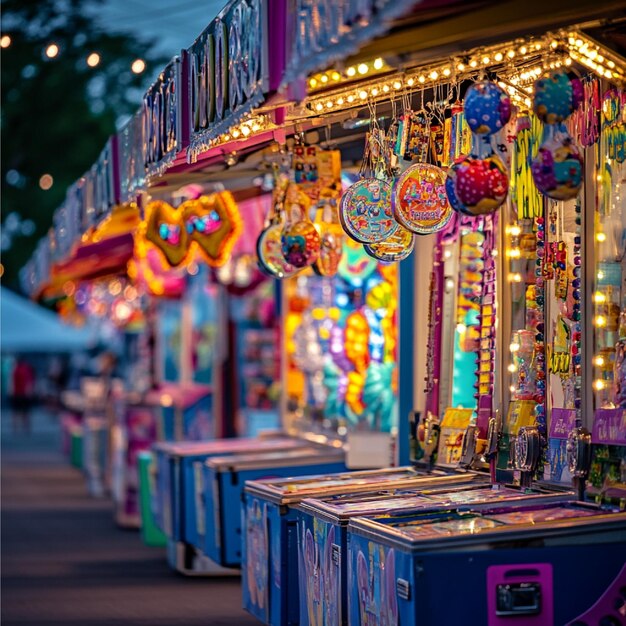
x: 546, y: 257
x: 355, y: 356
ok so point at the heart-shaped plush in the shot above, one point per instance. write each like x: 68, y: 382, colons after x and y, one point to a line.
x: 212, y: 223
x: 164, y: 229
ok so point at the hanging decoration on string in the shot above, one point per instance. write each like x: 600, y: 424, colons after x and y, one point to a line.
x: 479, y: 181
x: 558, y: 168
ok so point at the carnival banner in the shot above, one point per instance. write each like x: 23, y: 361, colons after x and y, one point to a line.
x: 227, y: 72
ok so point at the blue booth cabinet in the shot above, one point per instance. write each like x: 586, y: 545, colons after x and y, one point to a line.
x: 536, y: 565
x: 270, y: 548
x: 322, y: 535
x: 178, y: 502
x: 224, y: 480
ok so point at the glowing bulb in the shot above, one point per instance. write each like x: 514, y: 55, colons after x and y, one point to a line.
x: 512, y: 368
x: 378, y: 64
x: 5, y: 41
x: 245, y: 130
x: 460, y: 67
x: 498, y: 56
x: 340, y: 101
x: 473, y: 63
x: 449, y: 284
x: 335, y: 76
x: 515, y: 231
x: 598, y: 361
x: 256, y: 127
x: 385, y: 88
x: 93, y: 59
x: 447, y: 254
x: 599, y: 384
x: 512, y: 388
x: 329, y: 104
x: 351, y: 71
x: 515, y: 278
x: 319, y: 106
x: 313, y: 83
x: 46, y: 181
x: 363, y: 68
x: 523, y: 50
x: 236, y: 133
x: 486, y: 60
x: 515, y: 253
x: 600, y: 275
x: 52, y: 50
x: 446, y: 71
x: 601, y: 237
x: 350, y: 98
x: 397, y: 84
x: 324, y: 78
x: 599, y: 297
x: 422, y: 78
x: 363, y: 94
x: 434, y: 75
x: 374, y: 91
x: 600, y: 321
x: 514, y: 346
x: 410, y: 82
x: 461, y: 328
x: 510, y: 54
x: 138, y: 66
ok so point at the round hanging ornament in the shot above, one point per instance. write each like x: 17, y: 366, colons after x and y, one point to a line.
x: 396, y: 248
x: 365, y: 211
x: 300, y: 240
x: 558, y: 167
x: 556, y: 97
x: 487, y: 108
x: 419, y: 200
x: 478, y: 185
x: 271, y: 260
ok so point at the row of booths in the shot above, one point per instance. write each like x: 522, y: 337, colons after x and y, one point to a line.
x: 434, y: 194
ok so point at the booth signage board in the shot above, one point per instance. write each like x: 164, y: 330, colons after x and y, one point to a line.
x: 319, y: 33
x: 609, y: 427
x: 162, y: 117
x: 103, y: 179
x: 131, y: 158
x: 227, y: 71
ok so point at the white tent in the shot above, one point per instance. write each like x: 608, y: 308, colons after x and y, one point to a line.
x: 27, y: 327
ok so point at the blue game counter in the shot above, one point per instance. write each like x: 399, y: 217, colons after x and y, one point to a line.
x: 536, y: 565
x: 270, y: 563
x: 322, y: 534
x: 177, y: 504
x: 224, y: 480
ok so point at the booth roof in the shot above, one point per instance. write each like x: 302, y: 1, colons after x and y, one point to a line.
x: 27, y: 327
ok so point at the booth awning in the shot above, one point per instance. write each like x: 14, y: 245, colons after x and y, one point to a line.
x: 27, y: 327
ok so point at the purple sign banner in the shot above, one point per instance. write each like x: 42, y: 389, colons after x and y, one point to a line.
x: 562, y: 422
x: 609, y: 427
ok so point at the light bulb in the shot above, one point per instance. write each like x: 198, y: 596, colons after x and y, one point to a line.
x: 598, y: 361
x: 600, y: 237
x: 351, y: 71
x: 52, y: 50
x: 363, y: 69
x: 378, y: 64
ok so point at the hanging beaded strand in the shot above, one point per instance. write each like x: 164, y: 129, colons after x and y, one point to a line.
x: 540, y: 346
x: 576, y: 314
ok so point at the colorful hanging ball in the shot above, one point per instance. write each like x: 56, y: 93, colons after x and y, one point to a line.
x: 480, y: 185
x: 487, y: 108
x: 556, y: 97
x: 558, y: 168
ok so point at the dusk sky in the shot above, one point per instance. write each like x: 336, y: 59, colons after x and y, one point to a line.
x: 174, y: 24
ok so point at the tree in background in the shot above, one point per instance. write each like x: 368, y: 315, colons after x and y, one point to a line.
x: 57, y: 109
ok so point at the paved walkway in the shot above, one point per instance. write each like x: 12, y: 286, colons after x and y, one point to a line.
x: 65, y: 563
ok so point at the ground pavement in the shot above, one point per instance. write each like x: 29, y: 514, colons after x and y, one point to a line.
x: 65, y: 563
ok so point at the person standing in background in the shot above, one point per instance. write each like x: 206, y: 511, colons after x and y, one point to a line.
x: 23, y: 395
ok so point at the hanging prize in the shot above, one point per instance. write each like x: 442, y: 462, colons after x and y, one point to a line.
x: 396, y: 248
x: 268, y: 245
x: 300, y: 241
x: 558, y: 167
x: 331, y: 241
x: 365, y: 208
x: 478, y: 183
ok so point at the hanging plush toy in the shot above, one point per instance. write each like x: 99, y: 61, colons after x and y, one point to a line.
x: 558, y: 167
x: 478, y: 183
